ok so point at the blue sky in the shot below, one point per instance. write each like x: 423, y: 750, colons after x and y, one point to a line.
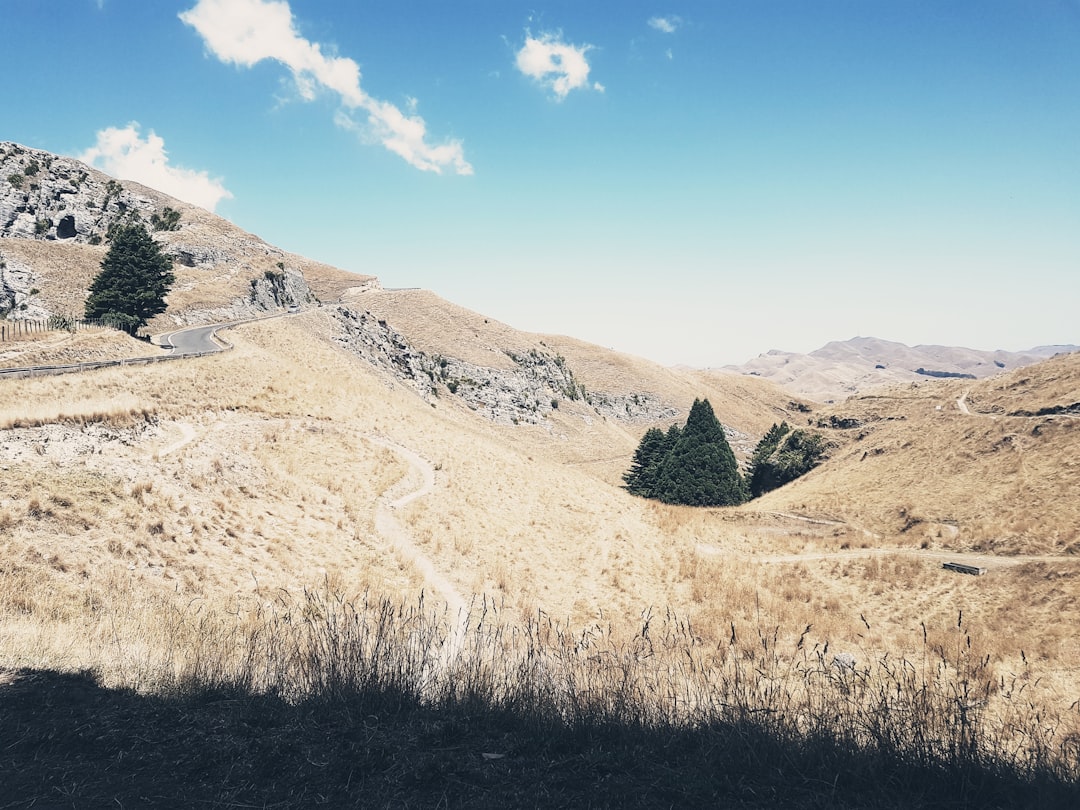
x: 693, y: 182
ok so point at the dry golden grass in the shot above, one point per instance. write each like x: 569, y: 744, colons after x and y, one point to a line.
x: 63, y: 270
x: 62, y: 348
x: 920, y: 471
x: 1044, y: 385
x: 257, y: 473
x: 141, y: 507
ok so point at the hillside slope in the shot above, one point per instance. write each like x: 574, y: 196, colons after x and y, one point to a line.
x: 55, y: 213
x: 593, y: 404
x: 986, y: 465
x: 275, y: 467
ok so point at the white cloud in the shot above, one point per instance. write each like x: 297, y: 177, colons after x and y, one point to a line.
x: 125, y: 154
x: 246, y: 32
x: 666, y: 25
x: 555, y: 64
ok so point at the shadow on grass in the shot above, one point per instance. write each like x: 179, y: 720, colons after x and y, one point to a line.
x: 67, y: 741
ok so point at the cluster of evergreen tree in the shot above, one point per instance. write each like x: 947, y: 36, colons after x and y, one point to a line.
x: 781, y: 456
x: 693, y: 465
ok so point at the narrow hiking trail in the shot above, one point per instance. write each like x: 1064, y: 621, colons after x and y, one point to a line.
x: 188, y: 434
x: 961, y: 403
x: 418, y: 482
x: 394, y: 532
x: 988, y: 561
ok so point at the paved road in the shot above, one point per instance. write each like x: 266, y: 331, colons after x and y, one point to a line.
x: 194, y: 340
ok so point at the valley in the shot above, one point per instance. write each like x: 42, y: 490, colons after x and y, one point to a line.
x: 388, y: 447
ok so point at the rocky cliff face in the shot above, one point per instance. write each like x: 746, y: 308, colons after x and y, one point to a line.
x: 45, y: 196
x: 526, y: 393
x: 222, y: 273
x: 18, y: 295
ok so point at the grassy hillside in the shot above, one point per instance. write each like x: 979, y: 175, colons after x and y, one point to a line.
x: 263, y: 468
x: 325, y: 526
x: 152, y: 514
x: 953, y: 465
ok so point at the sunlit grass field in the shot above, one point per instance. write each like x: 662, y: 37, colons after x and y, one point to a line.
x: 212, y: 547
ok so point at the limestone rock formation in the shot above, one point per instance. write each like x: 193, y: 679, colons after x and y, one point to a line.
x: 18, y: 295
x: 46, y: 196
x: 534, y: 385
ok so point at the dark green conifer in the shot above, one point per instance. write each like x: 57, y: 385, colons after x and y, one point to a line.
x: 653, y: 449
x: 781, y: 456
x: 135, y: 277
x: 700, y: 469
x: 760, y: 476
x: 642, y: 473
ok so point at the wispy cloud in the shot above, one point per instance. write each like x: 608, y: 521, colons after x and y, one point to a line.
x: 555, y: 64
x: 125, y: 154
x: 246, y: 32
x: 666, y: 25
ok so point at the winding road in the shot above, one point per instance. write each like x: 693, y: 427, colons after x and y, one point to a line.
x: 194, y: 339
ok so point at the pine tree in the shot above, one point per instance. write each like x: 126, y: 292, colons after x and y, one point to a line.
x: 643, y: 467
x: 700, y: 469
x: 761, y: 474
x: 781, y: 456
x: 654, y: 447
x: 135, y: 277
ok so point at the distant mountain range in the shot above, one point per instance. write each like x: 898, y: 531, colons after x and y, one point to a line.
x: 841, y: 368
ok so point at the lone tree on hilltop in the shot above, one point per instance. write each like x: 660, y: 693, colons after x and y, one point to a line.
x: 694, y: 466
x: 135, y: 277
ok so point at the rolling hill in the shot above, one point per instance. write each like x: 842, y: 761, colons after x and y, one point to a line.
x: 842, y: 368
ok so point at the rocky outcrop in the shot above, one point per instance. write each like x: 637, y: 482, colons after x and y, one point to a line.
x: 18, y: 295
x: 536, y: 384
x: 630, y: 406
x: 372, y: 339
x: 529, y: 391
x: 222, y: 272
x: 280, y: 288
x: 49, y: 197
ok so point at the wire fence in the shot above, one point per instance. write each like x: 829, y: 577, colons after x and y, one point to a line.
x: 22, y: 328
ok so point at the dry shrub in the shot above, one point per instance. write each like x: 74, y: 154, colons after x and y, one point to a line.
x: 948, y: 707
x: 141, y: 488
